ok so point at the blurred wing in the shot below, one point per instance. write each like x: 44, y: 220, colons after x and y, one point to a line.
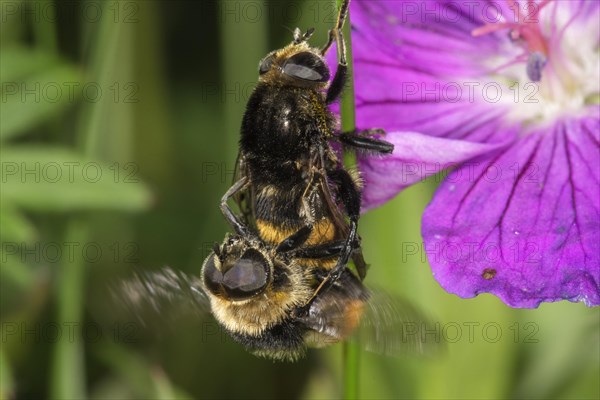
x: 336, y: 312
x: 394, y: 326
x: 160, y: 295
x: 245, y: 199
x: 381, y: 323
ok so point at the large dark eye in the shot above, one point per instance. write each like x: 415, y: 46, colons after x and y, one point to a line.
x: 248, y: 276
x: 306, y: 66
x: 212, y: 276
x: 265, y: 64
x: 244, y: 278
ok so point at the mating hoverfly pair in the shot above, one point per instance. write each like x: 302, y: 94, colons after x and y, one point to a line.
x: 281, y: 283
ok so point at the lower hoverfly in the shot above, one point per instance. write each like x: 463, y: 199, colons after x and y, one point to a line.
x: 257, y: 293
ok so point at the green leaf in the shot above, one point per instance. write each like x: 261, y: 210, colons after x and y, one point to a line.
x: 57, y: 179
x: 27, y: 103
x: 15, y: 232
x: 15, y: 227
x: 14, y: 270
x: 18, y: 62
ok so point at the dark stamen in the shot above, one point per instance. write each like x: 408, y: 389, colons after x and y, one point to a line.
x: 535, y: 64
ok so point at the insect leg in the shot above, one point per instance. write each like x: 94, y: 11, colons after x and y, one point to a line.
x: 299, y: 238
x: 359, y: 140
x: 295, y: 240
x: 339, y: 80
x: 337, y: 85
x: 238, y: 226
x: 350, y: 196
x: 324, y: 250
x: 341, y: 18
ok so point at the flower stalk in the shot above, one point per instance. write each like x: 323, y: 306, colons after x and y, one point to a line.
x: 351, y: 351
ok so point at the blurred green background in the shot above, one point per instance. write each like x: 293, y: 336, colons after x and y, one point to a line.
x: 119, y: 123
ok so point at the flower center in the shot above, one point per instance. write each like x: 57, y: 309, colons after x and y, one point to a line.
x: 561, y: 55
x: 526, y: 32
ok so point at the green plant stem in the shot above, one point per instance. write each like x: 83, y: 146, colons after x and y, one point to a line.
x: 68, y: 372
x: 351, y: 370
x: 351, y: 362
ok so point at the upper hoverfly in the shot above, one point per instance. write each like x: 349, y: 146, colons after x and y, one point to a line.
x: 294, y: 179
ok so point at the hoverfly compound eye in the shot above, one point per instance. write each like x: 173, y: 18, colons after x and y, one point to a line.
x: 306, y: 66
x: 247, y: 277
x: 211, y: 275
x: 241, y: 279
x: 265, y: 64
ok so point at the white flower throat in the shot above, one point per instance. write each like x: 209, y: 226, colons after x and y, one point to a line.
x: 551, y: 66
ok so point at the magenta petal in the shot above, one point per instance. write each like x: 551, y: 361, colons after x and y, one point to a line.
x: 525, y: 225
x: 397, y: 99
x: 431, y: 36
x: 416, y: 156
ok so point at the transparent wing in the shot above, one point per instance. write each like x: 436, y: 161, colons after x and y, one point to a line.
x: 394, y: 326
x: 156, y: 296
x: 336, y: 312
x: 381, y: 323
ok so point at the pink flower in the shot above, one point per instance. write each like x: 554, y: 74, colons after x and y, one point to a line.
x: 506, y: 93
